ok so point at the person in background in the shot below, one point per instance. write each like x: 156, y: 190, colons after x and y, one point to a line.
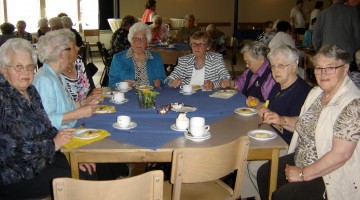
x: 62, y: 14
x: 338, y: 25
x: 297, y: 18
x: 7, y: 30
x: 256, y: 81
x: 307, y: 41
x: 21, y: 33
x: 315, y: 12
x: 184, y: 34
x: 203, y: 67
x: 217, y: 39
x: 119, y: 40
x: 268, y: 34
x: 150, y: 11
x: 57, y: 49
x: 67, y: 23
x: 159, y: 31
x: 43, y: 27
x: 137, y: 65
x: 323, y: 160
x: 55, y: 23
x: 29, y: 152
x: 283, y: 36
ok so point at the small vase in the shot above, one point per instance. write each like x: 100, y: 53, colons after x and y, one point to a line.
x: 146, y: 101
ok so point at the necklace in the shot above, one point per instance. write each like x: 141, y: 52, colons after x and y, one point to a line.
x: 69, y: 70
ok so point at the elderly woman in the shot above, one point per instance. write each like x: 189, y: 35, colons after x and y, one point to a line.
x: 119, y: 40
x: 21, y: 33
x: 200, y: 68
x: 7, y: 30
x: 150, y: 11
x: 326, y: 159
x: 57, y: 49
x: 184, y: 34
x: 256, y: 81
x: 67, y: 23
x: 137, y: 65
x: 55, y: 23
x: 159, y: 30
x: 29, y: 156
x: 217, y: 39
x: 43, y: 27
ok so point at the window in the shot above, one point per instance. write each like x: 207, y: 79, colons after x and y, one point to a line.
x: 27, y: 10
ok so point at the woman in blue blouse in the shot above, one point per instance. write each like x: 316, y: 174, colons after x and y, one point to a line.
x: 29, y: 144
x: 137, y: 65
x: 57, y: 49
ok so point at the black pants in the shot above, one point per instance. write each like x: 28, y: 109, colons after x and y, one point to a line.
x: 309, y: 190
x: 39, y: 186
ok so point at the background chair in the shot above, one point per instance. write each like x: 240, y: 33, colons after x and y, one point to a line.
x: 115, y: 24
x: 90, y: 36
x: 106, y: 58
x: 196, y: 172
x: 147, y: 186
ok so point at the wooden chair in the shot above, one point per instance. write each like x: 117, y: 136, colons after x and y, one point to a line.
x: 196, y: 172
x: 147, y: 186
x: 91, y: 34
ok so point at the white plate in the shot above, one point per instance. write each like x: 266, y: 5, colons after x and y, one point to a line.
x: 102, y: 109
x: 260, y: 134
x: 185, y: 109
x: 86, y: 133
x: 121, y: 102
x: 190, y: 93
x: 131, y: 125
x: 227, y: 92
x: 144, y: 87
x: 206, y: 136
x: 175, y: 128
x: 246, y: 111
x: 126, y: 90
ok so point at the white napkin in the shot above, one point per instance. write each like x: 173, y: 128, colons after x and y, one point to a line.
x: 222, y: 95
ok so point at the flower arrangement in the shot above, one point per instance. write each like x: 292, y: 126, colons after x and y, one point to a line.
x: 147, y: 98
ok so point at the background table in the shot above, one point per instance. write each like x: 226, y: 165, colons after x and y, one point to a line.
x: 154, y: 141
x: 170, y: 55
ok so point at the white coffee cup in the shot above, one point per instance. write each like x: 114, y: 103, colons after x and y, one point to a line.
x: 122, y: 85
x: 198, y: 127
x: 118, y: 97
x: 123, y: 121
x: 182, y: 124
x: 186, y: 88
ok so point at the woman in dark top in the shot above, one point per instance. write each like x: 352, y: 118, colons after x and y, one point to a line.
x: 288, y: 94
x: 29, y: 144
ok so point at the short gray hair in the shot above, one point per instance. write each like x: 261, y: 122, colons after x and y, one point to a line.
x: 43, y: 22
x: 155, y: 18
x: 56, y: 23
x: 52, y: 43
x: 139, y: 26
x: 256, y: 49
x: 334, y: 52
x: 288, y: 52
x: 66, y: 22
x: 16, y: 45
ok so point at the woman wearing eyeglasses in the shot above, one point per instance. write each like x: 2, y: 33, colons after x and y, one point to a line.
x: 256, y: 81
x: 29, y: 144
x: 57, y: 50
x: 202, y: 67
x: 324, y: 157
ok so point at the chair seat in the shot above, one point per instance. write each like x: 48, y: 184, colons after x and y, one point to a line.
x: 200, y: 191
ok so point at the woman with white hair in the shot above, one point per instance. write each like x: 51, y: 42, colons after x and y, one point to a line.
x: 67, y: 23
x: 43, y: 27
x: 137, y: 65
x: 159, y: 30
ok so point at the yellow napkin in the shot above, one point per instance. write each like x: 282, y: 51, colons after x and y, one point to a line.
x: 77, y: 142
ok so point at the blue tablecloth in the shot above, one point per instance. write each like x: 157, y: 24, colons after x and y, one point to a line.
x: 153, y: 129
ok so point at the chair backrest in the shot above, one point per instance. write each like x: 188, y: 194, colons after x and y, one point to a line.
x: 195, y: 165
x: 105, y: 55
x: 91, y: 33
x: 115, y: 24
x: 147, y: 186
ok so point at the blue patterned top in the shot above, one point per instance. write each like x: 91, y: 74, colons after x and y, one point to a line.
x: 26, y: 135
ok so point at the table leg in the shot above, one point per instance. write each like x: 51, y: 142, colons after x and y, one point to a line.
x: 74, y: 164
x: 274, y: 164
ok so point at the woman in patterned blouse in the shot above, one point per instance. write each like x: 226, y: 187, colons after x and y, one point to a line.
x: 29, y: 144
x: 326, y: 161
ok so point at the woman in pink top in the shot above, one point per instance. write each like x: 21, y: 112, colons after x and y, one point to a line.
x: 149, y: 12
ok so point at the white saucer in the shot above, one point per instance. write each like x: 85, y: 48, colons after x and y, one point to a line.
x: 121, y: 102
x: 206, y: 136
x: 126, y: 90
x: 260, y: 134
x: 175, y: 128
x: 185, y: 109
x: 190, y: 93
x: 131, y: 126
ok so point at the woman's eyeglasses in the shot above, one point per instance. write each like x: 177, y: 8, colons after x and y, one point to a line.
x: 18, y: 68
x: 326, y: 70
x: 281, y: 66
x: 198, y: 44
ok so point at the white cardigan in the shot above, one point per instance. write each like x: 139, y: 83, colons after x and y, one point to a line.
x: 344, y: 182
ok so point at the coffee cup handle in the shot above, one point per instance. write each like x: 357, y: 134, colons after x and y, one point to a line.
x: 206, y: 128
x: 181, y: 86
x: 117, y: 84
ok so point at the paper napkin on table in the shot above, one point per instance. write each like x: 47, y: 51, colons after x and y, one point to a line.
x: 223, y: 94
